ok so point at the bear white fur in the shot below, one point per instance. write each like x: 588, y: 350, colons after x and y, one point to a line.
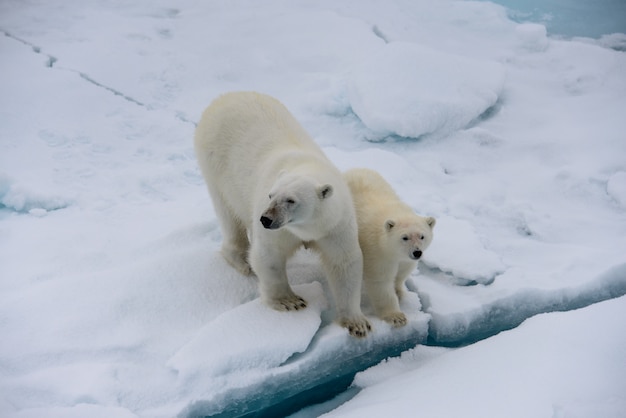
x: 392, y: 238
x: 274, y: 190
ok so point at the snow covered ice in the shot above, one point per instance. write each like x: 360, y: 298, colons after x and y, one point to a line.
x: 453, y: 90
x: 114, y: 301
x: 553, y: 369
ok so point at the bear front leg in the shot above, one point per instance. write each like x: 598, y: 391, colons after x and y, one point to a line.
x: 345, y: 270
x: 404, y: 270
x: 269, y: 264
x: 382, y: 295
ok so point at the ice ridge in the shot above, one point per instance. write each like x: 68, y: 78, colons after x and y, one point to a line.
x: 322, y: 376
x: 510, y: 312
x: 318, y: 376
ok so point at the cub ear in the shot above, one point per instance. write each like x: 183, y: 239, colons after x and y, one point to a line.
x: 431, y: 222
x: 389, y: 224
x: 325, y: 191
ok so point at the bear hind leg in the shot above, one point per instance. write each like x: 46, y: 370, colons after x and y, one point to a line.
x: 235, y: 252
x: 235, y: 242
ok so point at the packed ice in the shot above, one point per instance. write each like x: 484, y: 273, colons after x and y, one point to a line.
x: 115, y: 301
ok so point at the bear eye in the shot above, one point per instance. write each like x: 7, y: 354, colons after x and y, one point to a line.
x: 291, y: 201
x: 270, y: 196
x: 405, y: 237
x: 422, y: 237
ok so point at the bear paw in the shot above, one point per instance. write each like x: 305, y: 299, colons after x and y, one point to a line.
x: 396, y: 319
x: 289, y: 303
x: 358, y: 327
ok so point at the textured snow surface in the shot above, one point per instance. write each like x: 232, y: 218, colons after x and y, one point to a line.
x: 115, y: 302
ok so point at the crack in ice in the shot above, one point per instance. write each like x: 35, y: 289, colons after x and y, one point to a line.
x: 52, y: 61
x: 36, y: 49
x: 126, y: 97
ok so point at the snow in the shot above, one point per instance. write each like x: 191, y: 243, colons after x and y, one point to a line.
x: 114, y: 300
x: 460, y: 252
x: 246, y: 337
x: 616, y: 188
x: 543, y: 368
x: 448, y: 91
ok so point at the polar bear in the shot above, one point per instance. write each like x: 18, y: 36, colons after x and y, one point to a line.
x: 274, y: 190
x: 392, y: 239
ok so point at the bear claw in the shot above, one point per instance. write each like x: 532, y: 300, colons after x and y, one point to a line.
x: 357, y: 328
x: 396, y: 319
x: 295, y: 303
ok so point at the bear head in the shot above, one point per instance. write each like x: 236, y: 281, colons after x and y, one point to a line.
x: 293, y: 201
x: 410, y: 236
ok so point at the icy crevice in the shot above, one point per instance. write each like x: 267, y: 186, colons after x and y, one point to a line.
x: 116, y: 92
x: 450, y: 277
x: 320, y: 375
x: 51, y: 60
x: 509, y: 312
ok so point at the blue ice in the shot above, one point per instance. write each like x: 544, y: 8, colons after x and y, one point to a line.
x: 590, y: 18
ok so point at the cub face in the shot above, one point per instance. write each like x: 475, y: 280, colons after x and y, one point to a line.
x: 292, y: 201
x: 410, y: 237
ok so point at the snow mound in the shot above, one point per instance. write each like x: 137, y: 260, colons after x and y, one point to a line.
x: 457, y: 250
x: 616, y: 41
x: 252, y: 336
x: 23, y: 199
x: 409, y: 90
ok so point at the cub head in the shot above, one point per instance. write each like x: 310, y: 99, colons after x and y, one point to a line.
x: 292, y: 201
x: 411, y: 237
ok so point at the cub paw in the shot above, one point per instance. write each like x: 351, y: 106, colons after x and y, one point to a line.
x: 396, y: 319
x: 358, y: 327
x: 290, y: 303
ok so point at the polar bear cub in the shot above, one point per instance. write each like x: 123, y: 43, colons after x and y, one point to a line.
x: 392, y: 238
x: 274, y: 190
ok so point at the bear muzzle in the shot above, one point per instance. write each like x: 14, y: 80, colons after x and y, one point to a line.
x: 415, y: 254
x: 268, y: 223
x: 274, y: 217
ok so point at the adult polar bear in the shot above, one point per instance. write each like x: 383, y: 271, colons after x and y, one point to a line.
x: 273, y: 190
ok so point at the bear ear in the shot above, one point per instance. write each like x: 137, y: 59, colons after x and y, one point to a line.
x: 325, y: 191
x: 389, y: 224
x: 431, y: 222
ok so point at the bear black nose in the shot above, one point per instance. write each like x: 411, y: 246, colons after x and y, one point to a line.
x: 417, y: 254
x: 267, y: 222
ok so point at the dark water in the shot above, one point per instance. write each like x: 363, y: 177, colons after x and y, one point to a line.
x: 589, y: 18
